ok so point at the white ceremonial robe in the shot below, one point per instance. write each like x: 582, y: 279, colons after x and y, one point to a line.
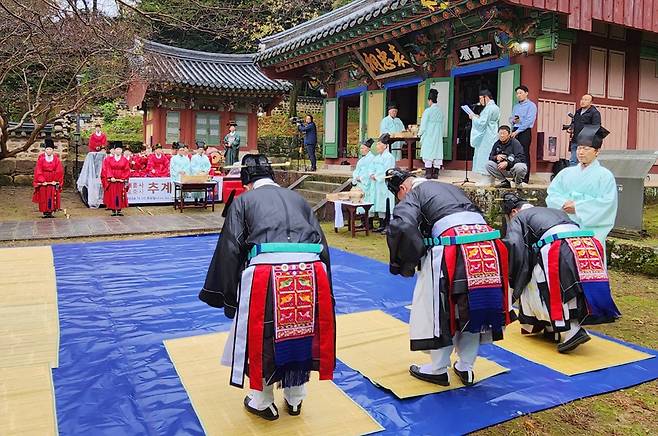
x: 391, y: 126
x: 484, y: 133
x: 593, y: 189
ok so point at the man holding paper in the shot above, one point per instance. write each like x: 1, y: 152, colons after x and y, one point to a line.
x: 484, y: 132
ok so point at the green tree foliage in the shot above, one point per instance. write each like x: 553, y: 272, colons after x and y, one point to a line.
x: 230, y: 26
x: 109, y: 111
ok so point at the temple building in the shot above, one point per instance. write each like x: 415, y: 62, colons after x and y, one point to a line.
x: 368, y: 54
x: 189, y: 95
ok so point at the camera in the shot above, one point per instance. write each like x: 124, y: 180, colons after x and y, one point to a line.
x: 568, y: 126
x: 296, y: 120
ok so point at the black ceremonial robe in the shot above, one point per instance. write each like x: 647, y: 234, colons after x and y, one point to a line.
x: 267, y: 214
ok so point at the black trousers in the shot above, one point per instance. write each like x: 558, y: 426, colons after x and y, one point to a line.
x: 525, y: 138
x: 310, y: 150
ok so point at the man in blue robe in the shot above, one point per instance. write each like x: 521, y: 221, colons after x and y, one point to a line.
x: 392, y: 124
x: 484, y: 133
x: 431, y: 136
x: 587, y: 192
x: 179, y: 164
x: 382, y: 162
x: 361, y: 174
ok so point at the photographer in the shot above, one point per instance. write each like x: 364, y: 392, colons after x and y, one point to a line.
x: 587, y: 114
x: 507, y: 159
x: 310, y: 138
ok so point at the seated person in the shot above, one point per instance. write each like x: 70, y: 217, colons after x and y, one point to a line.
x: 507, y: 159
x: 157, y: 163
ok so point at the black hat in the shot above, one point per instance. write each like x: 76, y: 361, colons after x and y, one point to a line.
x: 200, y: 144
x: 385, y: 138
x: 512, y: 201
x: 175, y: 145
x: 48, y: 142
x: 368, y: 142
x: 592, y: 135
x: 116, y: 144
x: 485, y: 93
x: 232, y: 123
x: 394, y: 179
x: 156, y: 146
x: 433, y: 94
x: 255, y: 167
x: 391, y: 106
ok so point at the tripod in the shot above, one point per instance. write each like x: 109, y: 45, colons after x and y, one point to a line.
x: 299, y: 146
x: 465, y: 180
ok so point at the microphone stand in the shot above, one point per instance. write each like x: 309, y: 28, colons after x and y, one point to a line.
x: 465, y: 180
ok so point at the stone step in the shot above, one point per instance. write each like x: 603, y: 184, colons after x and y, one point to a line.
x: 319, y: 186
x: 313, y: 197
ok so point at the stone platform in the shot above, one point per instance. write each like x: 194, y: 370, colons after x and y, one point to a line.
x: 60, y: 228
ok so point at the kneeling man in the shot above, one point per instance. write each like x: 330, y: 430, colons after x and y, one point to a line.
x: 557, y: 272
x: 270, y: 273
x: 461, y: 297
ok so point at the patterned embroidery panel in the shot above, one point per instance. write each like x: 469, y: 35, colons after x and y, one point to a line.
x: 294, y: 293
x: 480, y: 258
x: 588, y: 259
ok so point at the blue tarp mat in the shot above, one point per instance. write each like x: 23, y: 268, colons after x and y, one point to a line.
x: 119, y: 300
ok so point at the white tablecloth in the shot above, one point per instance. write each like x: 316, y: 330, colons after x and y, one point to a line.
x: 339, y: 221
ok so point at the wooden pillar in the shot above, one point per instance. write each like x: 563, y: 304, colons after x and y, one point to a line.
x: 252, y: 132
x: 632, y: 84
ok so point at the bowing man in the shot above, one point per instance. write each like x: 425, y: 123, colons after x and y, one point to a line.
x: 461, y: 297
x: 556, y: 295
x: 48, y: 180
x: 587, y: 192
x: 114, y: 177
x: 271, y: 274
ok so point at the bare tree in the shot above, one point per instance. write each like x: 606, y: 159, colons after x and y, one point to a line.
x: 56, y: 58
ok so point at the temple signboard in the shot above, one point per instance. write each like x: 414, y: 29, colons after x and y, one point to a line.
x: 385, y: 60
x: 477, y: 53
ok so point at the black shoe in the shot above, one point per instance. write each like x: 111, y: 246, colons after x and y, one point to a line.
x: 437, y: 379
x: 119, y: 213
x: 551, y: 336
x: 578, y: 339
x: 114, y: 213
x: 467, y: 377
x: 504, y: 184
x: 435, y: 173
x: 267, y: 414
x: 428, y: 173
x: 294, y: 410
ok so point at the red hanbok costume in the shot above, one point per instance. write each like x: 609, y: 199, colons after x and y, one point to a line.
x: 96, y: 141
x: 115, y: 194
x: 138, y: 166
x: 47, y: 171
x: 157, y: 166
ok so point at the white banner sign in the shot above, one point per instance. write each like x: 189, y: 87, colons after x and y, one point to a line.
x: 158, y: 190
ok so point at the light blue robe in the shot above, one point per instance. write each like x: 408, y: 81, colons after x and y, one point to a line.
x: 380, y: 164
x: 431, y: 134
x: 179, y: 164
x: 361, y: 175
x: 483, y: 135
x: 391, y: 126
x: 594, y: 192
x: 199, y: 164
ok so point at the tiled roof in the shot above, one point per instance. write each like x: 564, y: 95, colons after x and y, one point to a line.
x: 230, y: 72
x: 352, y: 14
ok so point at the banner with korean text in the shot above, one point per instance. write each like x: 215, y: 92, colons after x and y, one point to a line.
x: 159, y: 190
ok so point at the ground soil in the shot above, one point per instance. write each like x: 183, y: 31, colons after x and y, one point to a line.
x: 633, y: 411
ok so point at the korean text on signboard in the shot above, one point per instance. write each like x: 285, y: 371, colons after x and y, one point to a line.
x: 477, y: 53
x: 385, y: 60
